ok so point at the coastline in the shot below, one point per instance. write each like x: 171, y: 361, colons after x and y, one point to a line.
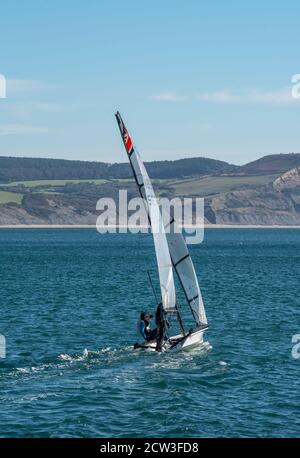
x: 93, y: 226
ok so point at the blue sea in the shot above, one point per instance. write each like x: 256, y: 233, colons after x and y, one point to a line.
x: 64, y: 291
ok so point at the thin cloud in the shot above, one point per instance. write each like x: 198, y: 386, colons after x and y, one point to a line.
x: 169, y: 97
x: 26, y: 109
x: 21, y: 129
x: 17, y: 86
x: 280, y: 96
x: 45, y: 106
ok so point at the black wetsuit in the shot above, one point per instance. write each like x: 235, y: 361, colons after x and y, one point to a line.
x: 161, y: 326
x: 147, y: 333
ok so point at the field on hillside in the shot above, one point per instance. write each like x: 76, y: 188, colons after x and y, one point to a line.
x: 10, y: 197
x: 198, y: 186
x: 35, y: 183
x: 205, y: 186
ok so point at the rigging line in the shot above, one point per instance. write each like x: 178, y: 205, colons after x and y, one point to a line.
x: 179, y: 318
x: 185, y: 293
x: 153, y: 290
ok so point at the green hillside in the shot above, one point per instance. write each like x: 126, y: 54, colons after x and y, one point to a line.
x: 13, y: 169
x: 232, y: 195
x: 204, y: 186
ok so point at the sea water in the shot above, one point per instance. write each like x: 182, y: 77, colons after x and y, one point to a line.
x: 69, y: 304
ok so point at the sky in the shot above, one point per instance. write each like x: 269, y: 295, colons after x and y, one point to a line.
x: 195, y: 78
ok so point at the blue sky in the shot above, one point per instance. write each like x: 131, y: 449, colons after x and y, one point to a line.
x: 194, y: 78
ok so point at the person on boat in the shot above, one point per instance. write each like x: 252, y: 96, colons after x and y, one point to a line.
x: 161, y: 323
x: 145, y: 327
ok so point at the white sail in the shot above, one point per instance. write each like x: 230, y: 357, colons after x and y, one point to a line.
x: 183, y: 265
x: 164, y: 262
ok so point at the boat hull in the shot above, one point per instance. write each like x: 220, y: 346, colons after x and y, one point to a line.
x: 192, y: 340
x: 178, y: 342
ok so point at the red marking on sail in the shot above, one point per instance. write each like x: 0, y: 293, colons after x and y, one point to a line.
x: 127, y: 141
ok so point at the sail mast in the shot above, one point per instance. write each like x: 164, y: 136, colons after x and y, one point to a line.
x: 143, y: 182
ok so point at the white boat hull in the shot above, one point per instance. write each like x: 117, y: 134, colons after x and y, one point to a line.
x: 192, y: 340
x: 177, y: 343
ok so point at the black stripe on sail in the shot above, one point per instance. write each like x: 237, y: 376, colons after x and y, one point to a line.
x: 193, y: 298
x: 180, y: 260
x: 169, y: 224
x: 130, y: 152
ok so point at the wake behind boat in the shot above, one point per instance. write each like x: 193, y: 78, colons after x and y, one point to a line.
x: 172, y: 255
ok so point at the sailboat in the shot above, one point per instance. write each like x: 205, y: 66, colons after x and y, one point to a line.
x: 172, y: 255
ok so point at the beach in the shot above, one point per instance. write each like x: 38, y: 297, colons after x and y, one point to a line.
x: 92, y: 226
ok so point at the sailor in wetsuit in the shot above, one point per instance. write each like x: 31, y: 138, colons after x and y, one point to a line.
x: 144, y: 327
